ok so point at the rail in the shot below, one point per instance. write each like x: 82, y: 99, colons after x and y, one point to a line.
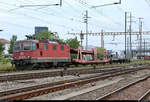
x: 107, y: 96
x: 61, y: 85
x: 52, y: 74
x: 144, y: 96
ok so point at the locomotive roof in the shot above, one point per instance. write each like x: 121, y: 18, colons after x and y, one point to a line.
x: 41, y: 40
x: 27, y: 41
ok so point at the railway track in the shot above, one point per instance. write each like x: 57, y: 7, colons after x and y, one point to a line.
x: 60, y: 68
x: 146, y: 96
x: 38, y: 75
x: 137, y: 90
x: 2, y: 73
x: 28, y: 92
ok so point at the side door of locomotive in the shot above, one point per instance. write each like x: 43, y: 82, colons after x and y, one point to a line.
x: 45, y: 50
x: 61, y: 51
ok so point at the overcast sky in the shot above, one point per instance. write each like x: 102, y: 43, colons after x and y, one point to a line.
x: 69, y: 18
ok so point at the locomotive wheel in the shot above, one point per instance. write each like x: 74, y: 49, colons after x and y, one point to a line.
x: 24, y: 67
x: 110, y: 62
x: 76, y: 65
x: 104, y: 63
x: 19, y: 67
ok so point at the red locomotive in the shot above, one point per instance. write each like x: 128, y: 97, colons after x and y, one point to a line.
x: 45, y: 53
x: 40, y: 52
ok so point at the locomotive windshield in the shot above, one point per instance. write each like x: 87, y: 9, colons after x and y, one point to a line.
x: 16, y: 47
x: 29, y: 46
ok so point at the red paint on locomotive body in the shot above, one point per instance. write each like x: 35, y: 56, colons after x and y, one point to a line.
x: 35, y: 51
x: 20, y: 53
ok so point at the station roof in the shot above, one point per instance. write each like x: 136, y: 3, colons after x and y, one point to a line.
x: 4, y: 41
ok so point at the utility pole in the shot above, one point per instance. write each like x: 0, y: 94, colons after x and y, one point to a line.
x: 140, y: 33
x: 86, y: 17
x: 130, y: 34
x: 81, y: 37
x: 144, y: 47
x: 102, y: 34
x: 125, y: 34
x: 102, y: 39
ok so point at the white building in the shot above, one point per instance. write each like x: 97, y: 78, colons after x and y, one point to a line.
x: 6, y: 44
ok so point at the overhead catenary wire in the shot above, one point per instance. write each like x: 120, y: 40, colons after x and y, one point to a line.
x: 104, y: 15
x: 62, y: 16
x: 93, y: 17
x: 72, y: 7
x: 91, y: 23
x: 75, y: 19
x: 120, y: 9
x: 43, y: 5
x: 72, y: 19
x: 37, y: 18
x: 18, y: 25
x: 148, y: 2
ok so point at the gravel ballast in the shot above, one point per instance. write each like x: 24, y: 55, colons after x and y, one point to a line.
x: 127, y: 78
x: 4, y: 86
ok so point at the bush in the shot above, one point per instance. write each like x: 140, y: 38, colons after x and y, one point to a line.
x: 5, y: 64
x: 101, y: 56
x: 4, y: 60
x: 6, y: 67
x: 73, y: 56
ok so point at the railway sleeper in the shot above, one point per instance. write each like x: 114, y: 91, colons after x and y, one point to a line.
x: 69, y: 84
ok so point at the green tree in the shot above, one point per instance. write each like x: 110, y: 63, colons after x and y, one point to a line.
x: 48, y: 35
x: 100, y: 49
x: 12, y: 40
x: 73, y: 42
x: 2, y: 48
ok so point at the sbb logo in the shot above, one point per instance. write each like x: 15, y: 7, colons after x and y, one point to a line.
x: 21, y: 53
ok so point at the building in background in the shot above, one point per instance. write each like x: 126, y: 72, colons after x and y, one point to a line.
x: 39, y: 29
x: 6, y: 44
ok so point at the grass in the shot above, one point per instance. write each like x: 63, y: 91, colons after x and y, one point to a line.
x: 140, y: 62
x: 6, y: 67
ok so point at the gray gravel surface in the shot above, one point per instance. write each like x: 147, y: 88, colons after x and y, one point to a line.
x: 47, y: 70
x: 60, y: 69
x: 100, y: 92
x: 4, y: 86
x: 132, y: 93
x: 97, y: 93
x: 148, y: 97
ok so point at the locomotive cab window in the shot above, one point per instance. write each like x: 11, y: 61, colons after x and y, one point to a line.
x: 62, y: 48
x: 27, y: 45
x: 45, y: 47
x: 54, y: 47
